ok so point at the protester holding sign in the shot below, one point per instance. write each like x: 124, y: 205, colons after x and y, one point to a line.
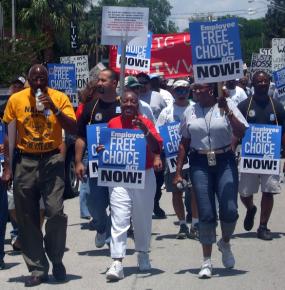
x: 133, y: 203
x: 100, y: 109
x: 4, y: 178
x: 157, y: 103
x: 208, y: 127
x: 260, y: 109
x: 170, y: 114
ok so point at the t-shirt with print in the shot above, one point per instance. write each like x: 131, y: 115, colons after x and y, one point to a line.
x: 261, y: 112
x: 95, y: 112
x: 37, y: 131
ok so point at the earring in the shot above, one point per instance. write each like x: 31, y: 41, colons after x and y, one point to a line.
x: 211, y: 93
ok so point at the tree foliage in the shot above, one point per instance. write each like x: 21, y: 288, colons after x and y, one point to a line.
x: 275, y: 19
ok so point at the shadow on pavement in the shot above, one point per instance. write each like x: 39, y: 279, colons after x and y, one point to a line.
x: 102, y: 252
x: 217, y: 272
x: 10, y: 265
x: 162, y: 237
x: 69, y: 277
x: 128, y: 271
x: 275, y: 235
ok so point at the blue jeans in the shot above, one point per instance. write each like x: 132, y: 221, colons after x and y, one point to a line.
x: 84, y: 191
x: 97, y: 202
x: 220, y: 180
x: 3, y: 217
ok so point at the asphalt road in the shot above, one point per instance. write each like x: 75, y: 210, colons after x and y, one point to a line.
x: 259, y: 264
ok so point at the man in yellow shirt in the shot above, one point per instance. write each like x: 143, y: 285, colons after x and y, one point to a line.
x: 39, y: 172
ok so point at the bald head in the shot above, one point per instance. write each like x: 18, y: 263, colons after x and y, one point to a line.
x: 38, y: 77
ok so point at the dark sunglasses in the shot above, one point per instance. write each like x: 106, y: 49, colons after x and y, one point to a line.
x: 181, y: 91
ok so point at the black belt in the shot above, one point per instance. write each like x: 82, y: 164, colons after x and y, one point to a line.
x: 38, y: 155
x: 216, y: 151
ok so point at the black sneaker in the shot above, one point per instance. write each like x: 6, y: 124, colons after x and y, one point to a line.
x: 59, y: 272
x: 264, y: 233
x: 183, y: 232
x: 194, y: 233
x: 2, y: 265
x: 159, y: 212
x: 249, y: 218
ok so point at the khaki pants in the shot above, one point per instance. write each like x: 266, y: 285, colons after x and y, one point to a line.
x: 37, y: 177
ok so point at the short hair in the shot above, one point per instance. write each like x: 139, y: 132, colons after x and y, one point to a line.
x: 113, y: 75
x: 259, y: 72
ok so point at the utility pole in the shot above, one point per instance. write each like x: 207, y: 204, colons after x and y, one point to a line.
x: 13, y: 25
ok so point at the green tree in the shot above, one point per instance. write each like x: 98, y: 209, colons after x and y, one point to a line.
x: 49, y: 17
x: 275, y: 19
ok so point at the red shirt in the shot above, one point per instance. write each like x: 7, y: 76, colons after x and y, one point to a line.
x: 119, y: 123
x: 79, y: 111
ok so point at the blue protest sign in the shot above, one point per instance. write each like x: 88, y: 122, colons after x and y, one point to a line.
x: 123, y: 161
x: 2, y: 135
x: 171, y: 139
x: 260, y: 152
x: 137, y: 56
x: 216, y: 52
x: 279, y: 79
x: 93, y: 139
x: 62, y: 77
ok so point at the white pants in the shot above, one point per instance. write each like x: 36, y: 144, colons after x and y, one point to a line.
x: 138, y: 204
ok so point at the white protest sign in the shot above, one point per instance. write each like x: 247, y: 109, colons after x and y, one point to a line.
x: 265, y: 51
x: 278, y: 53
x: 124, y: 22
x: 82, y: 72
x: 216, y: 52
x: 261, y: 62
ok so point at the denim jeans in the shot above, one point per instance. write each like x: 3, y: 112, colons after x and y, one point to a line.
x: 3, y: 217
x: 97, y: 202
x: 220, y: 180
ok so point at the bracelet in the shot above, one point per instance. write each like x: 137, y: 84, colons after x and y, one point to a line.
x: 58, y: 111
x: 146, y: 133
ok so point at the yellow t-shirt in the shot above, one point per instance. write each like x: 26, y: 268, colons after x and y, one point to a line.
x: 37, y: 131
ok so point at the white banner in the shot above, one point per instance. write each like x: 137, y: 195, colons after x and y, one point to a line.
x: 278, y: 53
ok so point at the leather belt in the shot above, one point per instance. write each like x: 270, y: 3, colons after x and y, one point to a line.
x: 217, y: 151
x: 38, y: 155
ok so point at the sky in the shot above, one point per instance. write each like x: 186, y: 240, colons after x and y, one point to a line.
x: 183, y: 9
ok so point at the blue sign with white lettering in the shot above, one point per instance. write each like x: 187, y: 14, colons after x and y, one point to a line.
x: 279, y: 79
x: 171, y: 139
x: 138, y: 57
x: 2, y: 135
x: 216, y: 52
x: 261, y: 147
x: 62, y: 77
x: 93, y: 139
x: 123, y: 161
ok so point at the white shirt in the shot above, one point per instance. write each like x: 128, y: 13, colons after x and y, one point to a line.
x: 167, y: 96
x: 237, y: 95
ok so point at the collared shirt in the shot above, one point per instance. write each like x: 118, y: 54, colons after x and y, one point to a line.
x: 120, y: 123
x: 209, y: 128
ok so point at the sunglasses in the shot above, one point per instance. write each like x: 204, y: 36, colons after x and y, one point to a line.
x: 181, y: 91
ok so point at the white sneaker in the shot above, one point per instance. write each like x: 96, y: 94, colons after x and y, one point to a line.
x: 143, y: 261
x: 115, y: 272
x: 227, y: 255
x: 206, y: 270
x: 100, y: 240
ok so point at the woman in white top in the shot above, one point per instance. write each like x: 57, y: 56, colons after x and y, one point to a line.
x: 208, y: 127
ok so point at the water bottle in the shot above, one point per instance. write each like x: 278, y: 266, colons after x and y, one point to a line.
x: 182, y: 185
x: 39, y: 105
